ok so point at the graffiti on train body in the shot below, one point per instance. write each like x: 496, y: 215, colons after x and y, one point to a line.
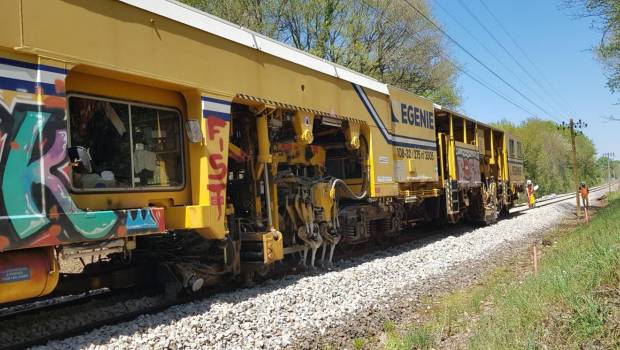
x: 217, y: 114
x: 145, y: 219
x: 36, y: 207
x: 468, y: 166
x: 22, y: 175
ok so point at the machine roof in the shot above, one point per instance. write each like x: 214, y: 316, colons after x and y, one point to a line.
x: 461, y: 115
x: 208, y: 23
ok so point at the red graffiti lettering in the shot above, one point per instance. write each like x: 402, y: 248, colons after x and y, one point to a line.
x: 217, y: 163
x: 213, y: 124
x: 216, y: 197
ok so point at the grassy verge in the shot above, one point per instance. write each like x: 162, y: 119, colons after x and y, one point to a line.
x: 573, y: 302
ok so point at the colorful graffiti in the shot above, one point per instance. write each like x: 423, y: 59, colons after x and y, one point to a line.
x: 36, y: 207
x: 468, y: 166
x: 217, y: 114
x: 145, y: 219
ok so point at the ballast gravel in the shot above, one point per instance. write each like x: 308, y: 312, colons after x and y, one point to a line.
x: 305, y: 311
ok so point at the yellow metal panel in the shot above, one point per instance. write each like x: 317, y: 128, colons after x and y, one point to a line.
x: 188, y: 217
x: 412, y: 118
x: 112, y: 35
x: 123, y: 87
x: 10, y: 15
x: 412, y: 115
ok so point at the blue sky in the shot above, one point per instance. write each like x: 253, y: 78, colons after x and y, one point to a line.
x: 556, y: 42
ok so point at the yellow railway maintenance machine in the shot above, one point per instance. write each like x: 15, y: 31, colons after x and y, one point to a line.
x: 481, y: 177
x: 186, y: 150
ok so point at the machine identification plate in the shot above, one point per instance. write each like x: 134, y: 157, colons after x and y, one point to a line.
x: 15, y: 274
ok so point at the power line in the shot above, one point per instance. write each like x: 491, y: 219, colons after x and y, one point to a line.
x: 483, y: 83
x: 552, y: 92
x: 474, y: 57
x: 486, y: 48
x: 489, y: 87
x: 473, y: 15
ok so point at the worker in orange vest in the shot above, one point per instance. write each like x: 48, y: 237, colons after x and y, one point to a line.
x: 585, y: 192
x: 531, y: 197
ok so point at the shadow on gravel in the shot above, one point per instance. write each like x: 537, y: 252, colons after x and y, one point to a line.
x: 413, y: 239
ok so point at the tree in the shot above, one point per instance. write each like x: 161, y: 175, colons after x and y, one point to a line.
x: 606, y: 17
x: 384, y: 39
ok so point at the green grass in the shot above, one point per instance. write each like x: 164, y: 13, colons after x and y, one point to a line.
x: 358, y: 343
x: 389, y: 326
x: 561, y: 307
x: 415, y: 338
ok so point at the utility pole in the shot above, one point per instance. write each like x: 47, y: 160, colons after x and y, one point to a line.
x: 572, y: 125
x: 609, y: 155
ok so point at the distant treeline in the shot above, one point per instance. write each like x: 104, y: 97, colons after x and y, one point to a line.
x: 548, y: 157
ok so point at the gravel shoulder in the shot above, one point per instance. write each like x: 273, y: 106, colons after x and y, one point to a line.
x: 331, y: 308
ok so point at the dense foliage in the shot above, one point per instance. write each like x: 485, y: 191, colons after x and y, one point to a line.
x: 384, y: 39
x: 548, y: 157
x: 606, y: 17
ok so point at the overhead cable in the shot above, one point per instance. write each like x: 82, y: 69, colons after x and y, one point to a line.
x: 553, y: 92
x: 476, y: 58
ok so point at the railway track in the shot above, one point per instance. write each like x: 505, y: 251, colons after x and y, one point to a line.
x: 51, y: 303
x: 553, y: 200
x: 28, y: 326
x: 62, y: 319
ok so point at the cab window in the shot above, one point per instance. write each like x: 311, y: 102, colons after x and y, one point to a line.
x: 511, y: 147
x: 132, y: 146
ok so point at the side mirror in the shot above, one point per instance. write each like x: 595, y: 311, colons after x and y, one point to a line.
x: 80, y: 159
x: 192, y: 127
